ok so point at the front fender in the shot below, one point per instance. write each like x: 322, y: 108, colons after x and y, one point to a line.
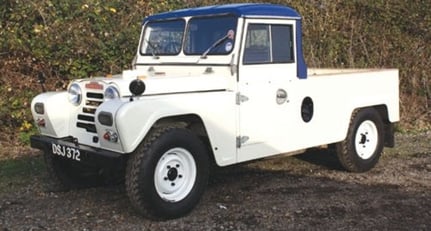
x: 134, y: 120
x: 57, y: 110
x: 217, y: 110
x: 131, y: 120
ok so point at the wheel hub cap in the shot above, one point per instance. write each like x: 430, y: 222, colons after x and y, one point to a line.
x: 175, y: 174
x: 366, y: 139
x: 172, y: 174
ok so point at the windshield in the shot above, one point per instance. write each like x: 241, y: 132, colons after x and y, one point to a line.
x: 163, y: 37
x: 203, y: 34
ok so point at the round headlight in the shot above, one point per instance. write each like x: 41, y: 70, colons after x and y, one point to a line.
x: 75, y: 94
x: 111, y: 93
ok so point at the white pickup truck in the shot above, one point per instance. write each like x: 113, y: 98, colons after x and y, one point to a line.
x: 211, y: 85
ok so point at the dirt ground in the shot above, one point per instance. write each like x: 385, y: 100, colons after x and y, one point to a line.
x: 305, y: 192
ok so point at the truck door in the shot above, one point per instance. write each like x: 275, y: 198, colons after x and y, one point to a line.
x: 266, y: 70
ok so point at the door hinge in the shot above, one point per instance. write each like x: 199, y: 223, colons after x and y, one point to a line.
x: 240, y: 140
x: 240, y: 98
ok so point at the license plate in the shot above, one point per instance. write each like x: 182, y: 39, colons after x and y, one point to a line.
x: 67, y: 152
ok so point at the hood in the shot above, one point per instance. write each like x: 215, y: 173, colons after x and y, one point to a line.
x: 164, y: 84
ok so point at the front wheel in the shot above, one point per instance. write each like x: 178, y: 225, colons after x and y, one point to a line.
x: 362, y: 148
x: 167, y: 174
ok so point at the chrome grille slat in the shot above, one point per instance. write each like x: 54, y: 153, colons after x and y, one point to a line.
x: 86, y: 119
x: 87, y: 110
x: 95, y: 95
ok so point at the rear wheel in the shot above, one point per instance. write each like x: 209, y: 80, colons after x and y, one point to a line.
x: 362, y: 148
x: 167, y: 174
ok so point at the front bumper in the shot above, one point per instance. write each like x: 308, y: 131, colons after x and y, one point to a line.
x: 89, y: 156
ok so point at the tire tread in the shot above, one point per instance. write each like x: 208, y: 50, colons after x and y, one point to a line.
x: 345, y: 149
x: 134, y: 186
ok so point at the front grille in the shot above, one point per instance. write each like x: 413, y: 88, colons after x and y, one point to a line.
x: 86, y: 119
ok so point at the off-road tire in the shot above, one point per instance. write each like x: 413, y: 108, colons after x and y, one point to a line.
x: 143, y: 183
x: 362, y: 148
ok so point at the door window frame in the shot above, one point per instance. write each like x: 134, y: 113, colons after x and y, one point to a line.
x: 249, y: 59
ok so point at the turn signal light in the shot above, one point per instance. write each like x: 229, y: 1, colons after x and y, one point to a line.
x: 41, y: 122
x: 111, y: 136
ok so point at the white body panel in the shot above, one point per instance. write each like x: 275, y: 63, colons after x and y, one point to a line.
x: 278, y: 128
x: 208, y: 87
x: 271, y: 128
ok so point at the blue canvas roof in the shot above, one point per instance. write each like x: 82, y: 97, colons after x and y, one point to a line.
x: 246, y: 10
x: 240, y: 10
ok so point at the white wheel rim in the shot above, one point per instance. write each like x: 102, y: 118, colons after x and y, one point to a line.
x: 175, y: 174
x: 366, y: 139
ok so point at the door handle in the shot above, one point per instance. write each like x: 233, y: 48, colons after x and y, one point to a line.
x: 281, y: 96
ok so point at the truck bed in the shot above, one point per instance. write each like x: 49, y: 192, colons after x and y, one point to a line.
x: 317, y: 72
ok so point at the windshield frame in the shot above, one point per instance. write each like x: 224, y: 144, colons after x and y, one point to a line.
x: 146, y: 43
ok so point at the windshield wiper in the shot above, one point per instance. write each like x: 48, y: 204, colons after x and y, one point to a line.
x: 153, y: 49
x: 229, y: 35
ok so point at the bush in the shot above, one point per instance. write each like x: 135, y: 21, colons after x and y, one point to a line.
x: 63, y: 40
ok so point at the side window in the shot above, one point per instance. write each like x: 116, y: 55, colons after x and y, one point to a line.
x: 282, y: 44
x: 267, y: 43
x: 257, y: 44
